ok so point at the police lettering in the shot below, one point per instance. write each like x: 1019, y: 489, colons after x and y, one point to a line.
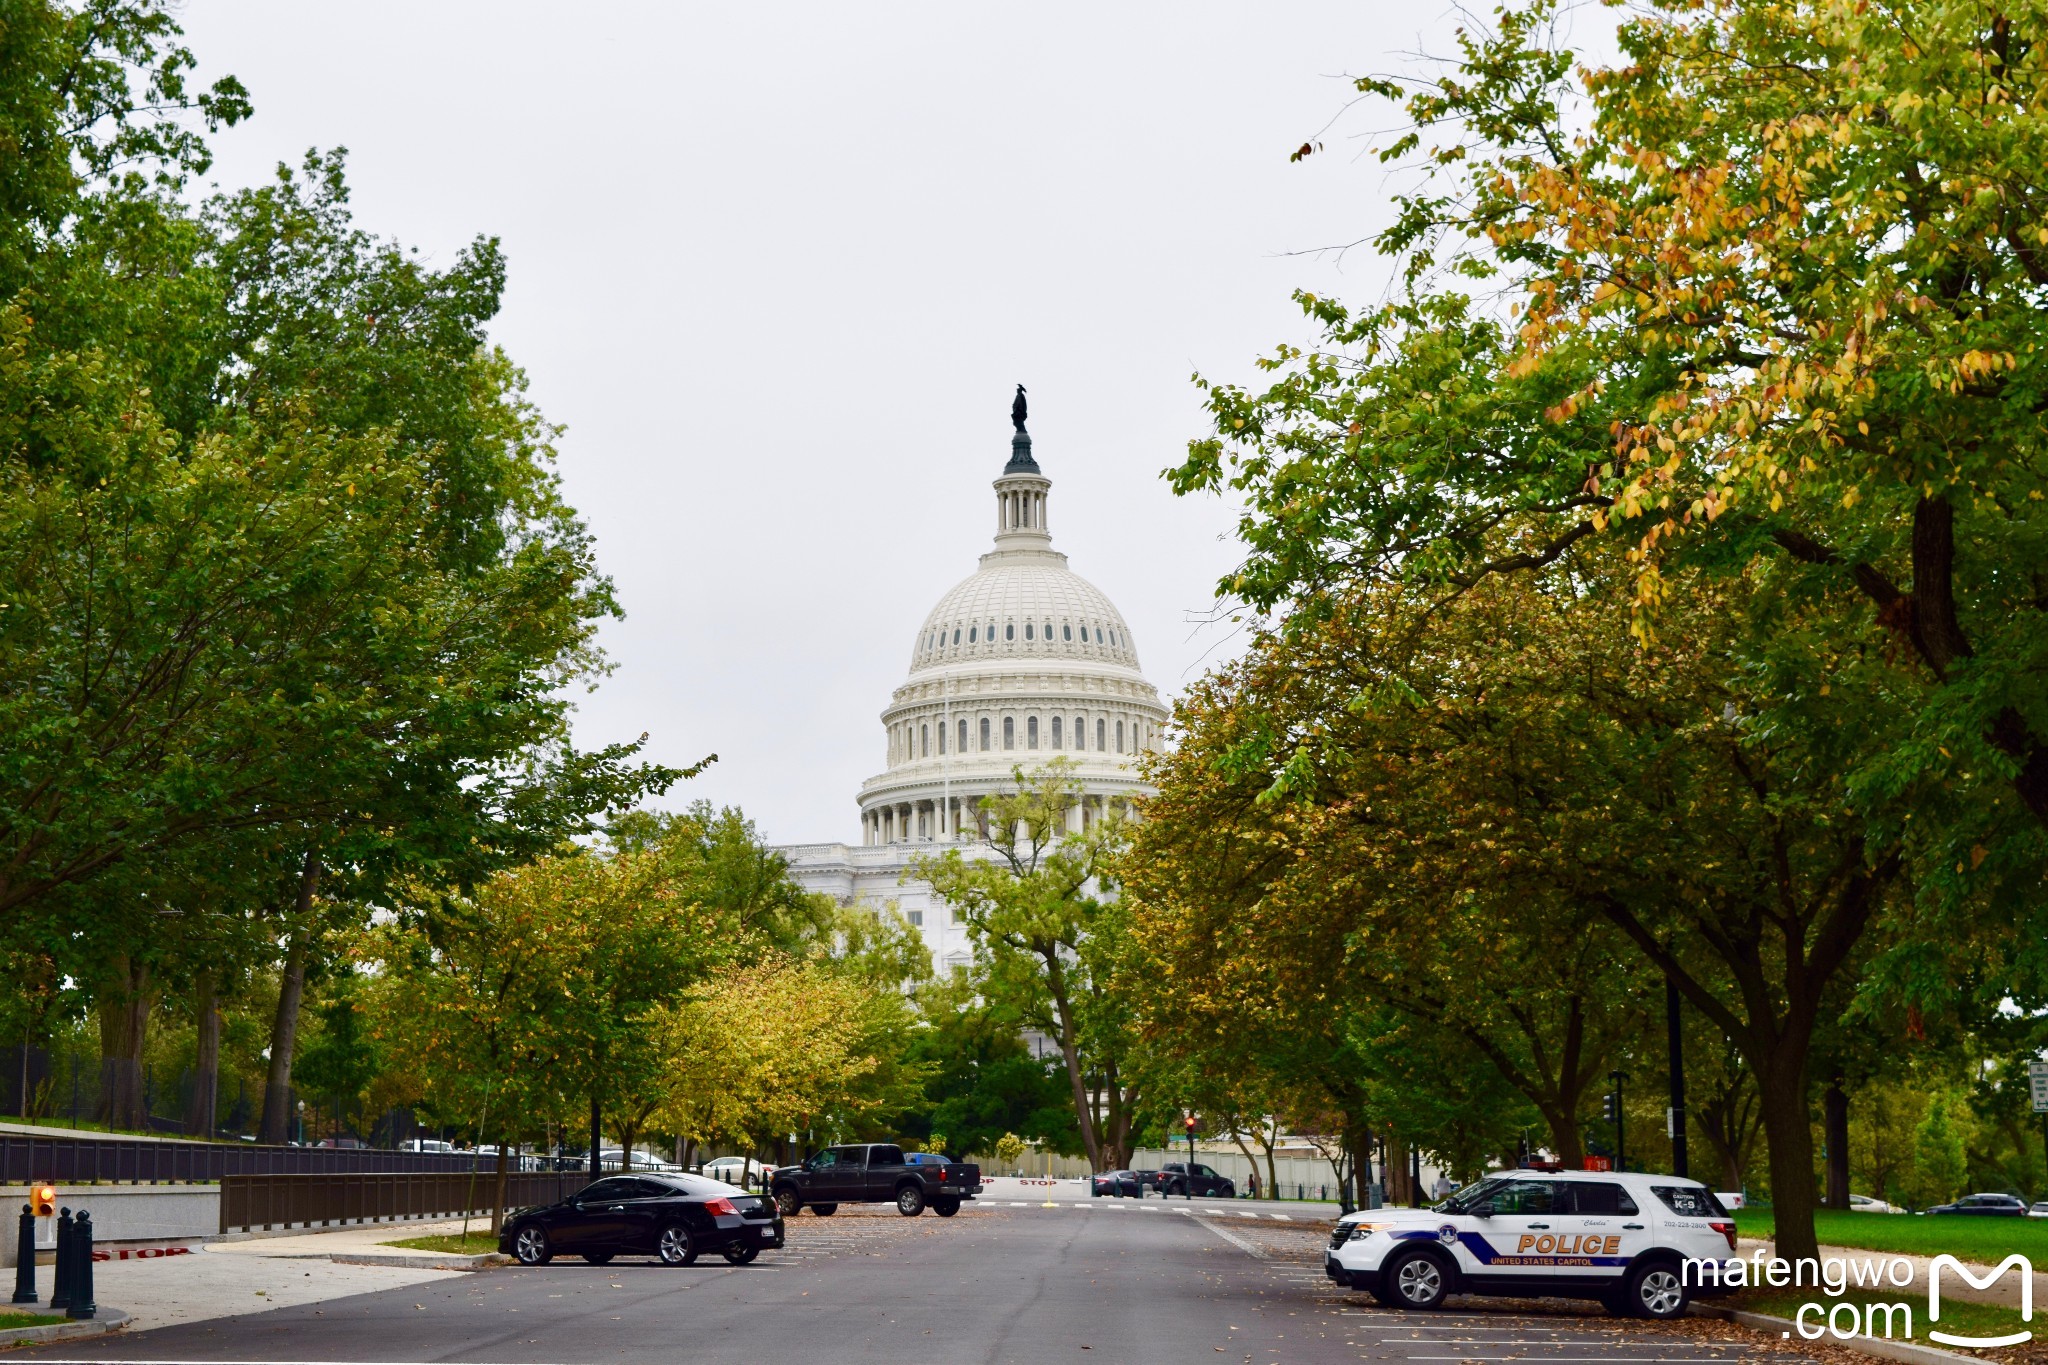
x: 1576, y: 1245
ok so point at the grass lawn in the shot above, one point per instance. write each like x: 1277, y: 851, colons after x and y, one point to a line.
x: 1969, y: 1239
x: 476, y: 1244
x: 11, y: 1319
x: 1957, y: 1317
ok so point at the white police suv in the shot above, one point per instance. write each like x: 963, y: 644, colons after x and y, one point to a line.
x: 1623, y: 1239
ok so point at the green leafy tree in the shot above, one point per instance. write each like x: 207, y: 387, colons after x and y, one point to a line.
x: 1034, y: 911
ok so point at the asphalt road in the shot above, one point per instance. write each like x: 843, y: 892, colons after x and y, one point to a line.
x: 865, y: 1287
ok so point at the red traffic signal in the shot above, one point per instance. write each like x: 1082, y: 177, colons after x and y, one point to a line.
x: 1190, y: 1121
x: 44, y: 1200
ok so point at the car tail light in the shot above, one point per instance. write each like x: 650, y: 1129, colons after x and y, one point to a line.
x: 942, y: 1172
x: 1726, y: 1230
x: 721, y: 1208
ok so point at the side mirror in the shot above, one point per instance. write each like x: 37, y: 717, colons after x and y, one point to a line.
x: 1483, y: 1209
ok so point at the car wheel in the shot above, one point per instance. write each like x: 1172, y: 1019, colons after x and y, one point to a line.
x: 599, y: 1257
x: 786, y: 1201
x: 1417, y: 1280
x: 910, y: 1201
x: 675, y: 1246
x: 741, y: 1255
x: 530, y: 1245
x: 1656, y: 1290
x: 824, y: 1210
x: 945, y: 1208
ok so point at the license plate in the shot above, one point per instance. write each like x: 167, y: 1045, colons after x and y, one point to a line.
x: 769, y: 1233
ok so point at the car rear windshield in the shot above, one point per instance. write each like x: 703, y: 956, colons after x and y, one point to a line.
x: 1690, y: 1201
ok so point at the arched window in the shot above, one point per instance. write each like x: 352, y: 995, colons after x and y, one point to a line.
x: 970, y: 635
x: 924, y: 741
x: 963, y: 737
x: 1066, y: 632
x: 956, y: 635
x: 942, y: 737
x: 1009, y: 732
x: 984, y: 733
x: 1080, y: 733
x: 1119, y: 736
x: 1031, y: 733
x: 1098, y: 635
x: 1055, y: 732
x: 1048, y: 630
x: 1112, y: 639
x: 1010, y: 631
x: 1027, y: 630
x: 1099, y: 732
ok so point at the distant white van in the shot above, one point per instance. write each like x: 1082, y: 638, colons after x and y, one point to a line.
x: 427, y: 1145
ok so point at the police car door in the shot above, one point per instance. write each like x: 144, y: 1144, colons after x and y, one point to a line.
x: 1601, y: 1228
x: 1518, y: 1239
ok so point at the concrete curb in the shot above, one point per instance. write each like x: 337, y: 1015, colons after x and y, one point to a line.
x: 1904, y: 1351
x: 420, y: 1260
x: 109, y: 1320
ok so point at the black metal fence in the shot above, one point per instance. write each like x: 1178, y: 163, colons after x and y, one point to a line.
x: 157, y: 1161
x: 277, y: 1202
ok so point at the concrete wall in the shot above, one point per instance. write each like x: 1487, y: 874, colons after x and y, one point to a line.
x: 132, y: 1215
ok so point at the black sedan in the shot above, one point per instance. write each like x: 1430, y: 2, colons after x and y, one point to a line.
x: 1984, y: 1206
x: 1118, y: 1183
x: 672, y: 1217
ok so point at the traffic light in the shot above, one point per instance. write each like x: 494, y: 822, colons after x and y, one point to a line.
x: 43, y: 1198
x: 1611, y: 1107
x: 1190, y: 1121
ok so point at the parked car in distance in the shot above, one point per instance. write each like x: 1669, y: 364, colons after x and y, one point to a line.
x: 1863, y: 1203
x: 1177, y: 1178
x: 1147, y: 1180
x: 732, y: 1169
x: 2038, y: 1210
x: 427, y: 1145
x: 1984, y: 1206
x: 874, y: 1173
x: 671, y: 1217
x: 1731, y: 1200
x: 1122, y: 1184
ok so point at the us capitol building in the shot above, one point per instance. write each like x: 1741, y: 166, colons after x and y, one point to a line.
x: 1022, y: 662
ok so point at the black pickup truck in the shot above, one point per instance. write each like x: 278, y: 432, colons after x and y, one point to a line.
x: 874, y: 1173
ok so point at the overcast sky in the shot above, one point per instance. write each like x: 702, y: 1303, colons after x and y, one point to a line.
x: 776, y: 267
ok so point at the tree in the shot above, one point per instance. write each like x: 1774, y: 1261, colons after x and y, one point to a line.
x: 984, y: 1081
x: 1939, y: 1158
x: 1034, y: 911
x: 781, y: 1046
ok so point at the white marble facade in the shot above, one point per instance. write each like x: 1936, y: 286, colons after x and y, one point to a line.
x: 1022, y: 662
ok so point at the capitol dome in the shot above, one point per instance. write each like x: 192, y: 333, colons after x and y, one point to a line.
x: 1021, y: 662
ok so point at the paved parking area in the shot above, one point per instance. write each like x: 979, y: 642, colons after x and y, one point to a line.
x: 997, y: 1284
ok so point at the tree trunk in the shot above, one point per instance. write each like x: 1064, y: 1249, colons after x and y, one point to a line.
x: 201, y: 1116
x: 1788, y: 1130
x: 1835, y: 1138
x: 504, y: 1177
x: 1396, y: 1174
x: 1070, y: 1053
x: 284, y: 1029
x: 124, y: 1027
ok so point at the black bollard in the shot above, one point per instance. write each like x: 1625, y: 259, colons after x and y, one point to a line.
x: 25, y: 1268
x: 60, y: 1284
x: 82, y: 1305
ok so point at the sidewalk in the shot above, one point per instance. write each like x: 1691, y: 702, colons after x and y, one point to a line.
x: 2005, y: 1292
x: 225, y: 1279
